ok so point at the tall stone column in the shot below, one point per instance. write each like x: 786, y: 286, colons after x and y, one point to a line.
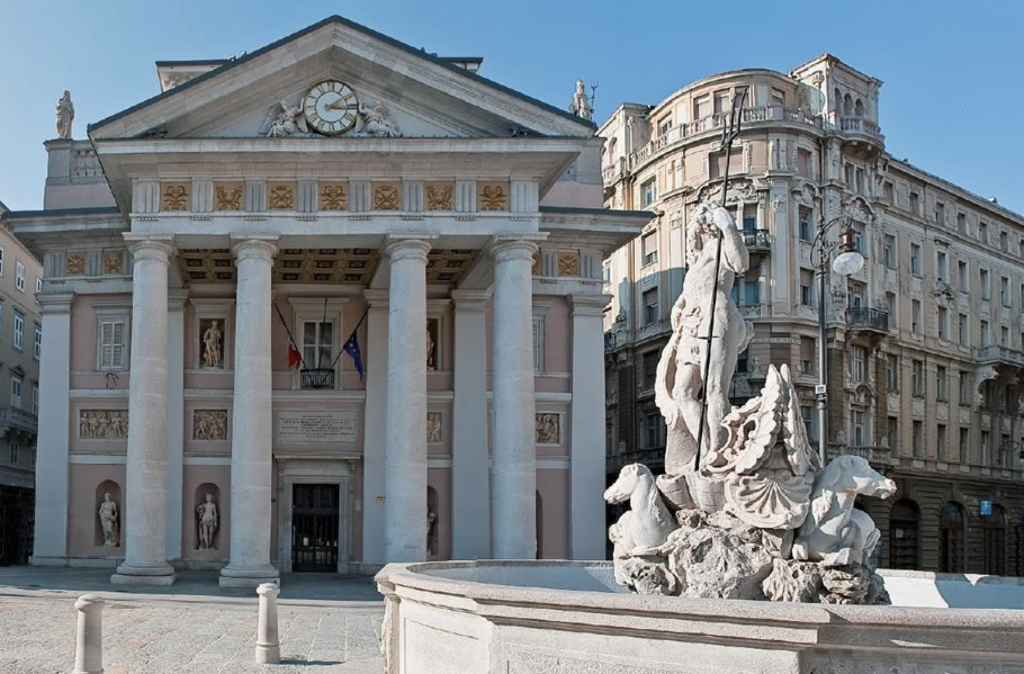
x: 405, y: 438
x: 145, y: 506
x: 471, y: 536
x: 375, y: 356
x: 175, y: 419
x: 251, y: 424
x: 514, y: 510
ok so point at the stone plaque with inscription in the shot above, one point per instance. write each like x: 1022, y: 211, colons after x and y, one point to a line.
x: 317, y: 425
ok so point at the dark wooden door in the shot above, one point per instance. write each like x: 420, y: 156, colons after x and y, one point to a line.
x: 315, y: 527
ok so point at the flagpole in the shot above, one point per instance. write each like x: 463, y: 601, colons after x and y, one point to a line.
x: 291, y: 339
x: 354, y: 330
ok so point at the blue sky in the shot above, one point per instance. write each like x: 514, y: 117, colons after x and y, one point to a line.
x: 952, y: 95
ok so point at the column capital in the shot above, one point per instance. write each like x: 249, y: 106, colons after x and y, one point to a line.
x: 377, y: 298
x: 470, y: 300
x: 514, y: 247
x: 158, y: 247
x: 588, y: 305
x: 407, y: 248
x: 254, y: 246
x: 56, y: 303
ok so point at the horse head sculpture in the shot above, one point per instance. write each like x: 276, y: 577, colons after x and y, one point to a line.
x: 648, y: 522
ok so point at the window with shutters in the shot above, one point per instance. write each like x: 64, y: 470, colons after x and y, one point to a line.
x: 19, y: 331
x: 35, y: 399
x: 19, y: 275
x: 112, y: 351
x: 650, y: 247
x: 16, y: 391
x: 37, y: 343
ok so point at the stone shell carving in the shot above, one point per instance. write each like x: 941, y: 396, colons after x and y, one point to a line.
x: 549, y: 428
x: 103, y: 424
x: 209, y: 425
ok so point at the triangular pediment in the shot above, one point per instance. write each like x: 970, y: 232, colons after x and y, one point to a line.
x: 386, y: 87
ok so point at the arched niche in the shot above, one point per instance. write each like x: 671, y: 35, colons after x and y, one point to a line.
x: 952, y: 532
x: 102, y: 489
x: 904, y: 524
x: 198, y: 501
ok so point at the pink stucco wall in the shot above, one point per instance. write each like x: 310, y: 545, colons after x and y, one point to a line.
x: 553, y: 513
x: 88, y: 482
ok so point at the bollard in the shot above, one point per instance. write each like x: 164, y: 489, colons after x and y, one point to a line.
x: 268, y: 650
x: 89, y: 646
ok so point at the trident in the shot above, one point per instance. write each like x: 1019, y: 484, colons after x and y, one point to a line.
x: 729, y: 133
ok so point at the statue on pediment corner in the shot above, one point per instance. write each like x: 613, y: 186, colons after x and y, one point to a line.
x: 581, y: 105
x: 288, y: 121
x: 65, y: 115
x: 378, y: 122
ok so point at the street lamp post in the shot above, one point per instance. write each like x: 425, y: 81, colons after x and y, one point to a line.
x: 849, y: 261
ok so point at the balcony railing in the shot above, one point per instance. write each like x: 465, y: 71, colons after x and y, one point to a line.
x: 866, y: 318
x: 16, y: 419
x: 757, y: 240
x: 317, y: 378
x: 879, y: 457
x: 859, y: 126
x: 993, y: 353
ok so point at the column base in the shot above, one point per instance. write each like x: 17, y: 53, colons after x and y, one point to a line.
x: 132, y: 574
x: 248, y: 576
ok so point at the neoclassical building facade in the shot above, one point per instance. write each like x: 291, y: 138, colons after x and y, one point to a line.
x: 328, y: 305
x: 925, y: 344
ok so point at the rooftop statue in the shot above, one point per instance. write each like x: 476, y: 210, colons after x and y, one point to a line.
x: 65, y: 115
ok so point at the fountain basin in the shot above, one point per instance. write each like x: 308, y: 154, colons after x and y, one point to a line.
x: 561, y: 617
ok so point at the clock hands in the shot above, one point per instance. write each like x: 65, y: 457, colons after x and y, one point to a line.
x: 337, y: 105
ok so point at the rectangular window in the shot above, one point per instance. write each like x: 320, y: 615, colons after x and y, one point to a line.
x: 701, y: 108
x: 1004, y: 242
x: 778, y: 97
x: 35, y: 399
x: 940, y: 212
x: 985, y: 448
x: 648, y: 192
x: 650, y: 299
x: 751, y: 289
x: 942, y: 318
x: 16, y: 392
x: 940, y: 441
x: 721, y: 101
x: 112, y: 345
x: 19, y: 331
x: 890, y: 305
x: 965, y: 388
x: 14, y: 451
x: 653, y: 431
x: 750, y: 218
x: 941, y: 387
x: 664, y: 125
x: 962, y: 331
x: 961, y: 223
x: 39, y: 285
x: 19, y: 275
x: 807, y: 354
x: 915, y: 203
x: 37, y: 343
x: 916, y: 441
x: 858, y: 294
x: 859, y: 429
x: 650, y: 365
x: 963, y: 275
x: 986, y: 284
x: 892, y: 433
x: 983, y: 338
x: 915, y: 316
x: 1, y: 261
x: 915, y: 259
x: 803, y: 163
x: 1004, y: 336
x: 892, y: 372
x: 983, y: 232
x: 917, y: 377
x: 317, y: 344
x: 717, y: 164
x: 649, y: 244
x: 1004, y: 291
x: 806, y: 287
x: 941, y: 266
x: 889, y: 192
x: 965, y: 445
x: 806, y: 227
x: 890, y: 251
x: 858, y: 364
x: 809, y: 423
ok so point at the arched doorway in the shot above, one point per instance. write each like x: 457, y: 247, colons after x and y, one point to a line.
x: 993, y: 542
x: 903, y: 534
x: 952, y: 525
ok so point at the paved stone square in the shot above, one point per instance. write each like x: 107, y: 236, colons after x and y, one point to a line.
x: 206, y: 630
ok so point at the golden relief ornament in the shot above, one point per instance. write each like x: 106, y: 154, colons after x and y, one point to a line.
x: 281, y: 197
x: 568, y: 264
x: 74, y: 264
x: 439, y: 197
x: 549, y: 428
x: 175, y: 197
x: 228, y: 197
x: 385, y: 198
x: 493, y: 198
x: 333, y: 197
x: 103, y: 424
x: 210, y: 425
x: 113, y: 262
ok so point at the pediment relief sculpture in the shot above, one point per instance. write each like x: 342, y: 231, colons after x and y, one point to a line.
x: 331, y: 108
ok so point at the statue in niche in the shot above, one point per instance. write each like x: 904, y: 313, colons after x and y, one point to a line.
x: 680, y: 371
x: 430, y: 350
x: 108, y: 521
x: 65, y: 115
x: 580, y: 103
x: 432, y: 532
x: 207, y: 514
x: 287, y: 122
x: 213, y: 351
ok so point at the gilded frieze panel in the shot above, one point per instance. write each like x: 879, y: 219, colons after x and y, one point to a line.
x: 175, y: 196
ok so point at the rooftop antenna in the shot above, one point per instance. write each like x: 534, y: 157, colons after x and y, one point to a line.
x: 729, y: 132
x: 594, y: 84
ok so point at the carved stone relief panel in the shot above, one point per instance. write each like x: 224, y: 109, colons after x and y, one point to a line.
x: 568, y: 264
x: 209, y: 424
x: 549, y: 428
x: 103, y: 424
x: 434, y: 428
x: 439, y: 196
x: 281, y: 196
x: 113, y: 261
x: 74, y: 264
x: 492, y: 196
x: 333, y: 196
x: 227, y: 196
x: 175, y: 196
x: 387, y: 196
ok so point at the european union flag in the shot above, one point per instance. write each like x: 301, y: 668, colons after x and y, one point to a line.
x: 351, y: 347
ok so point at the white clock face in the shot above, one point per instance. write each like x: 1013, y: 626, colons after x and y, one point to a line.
x: 330, y: 107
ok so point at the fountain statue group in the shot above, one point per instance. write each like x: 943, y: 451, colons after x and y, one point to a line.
x: 749, y: 513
